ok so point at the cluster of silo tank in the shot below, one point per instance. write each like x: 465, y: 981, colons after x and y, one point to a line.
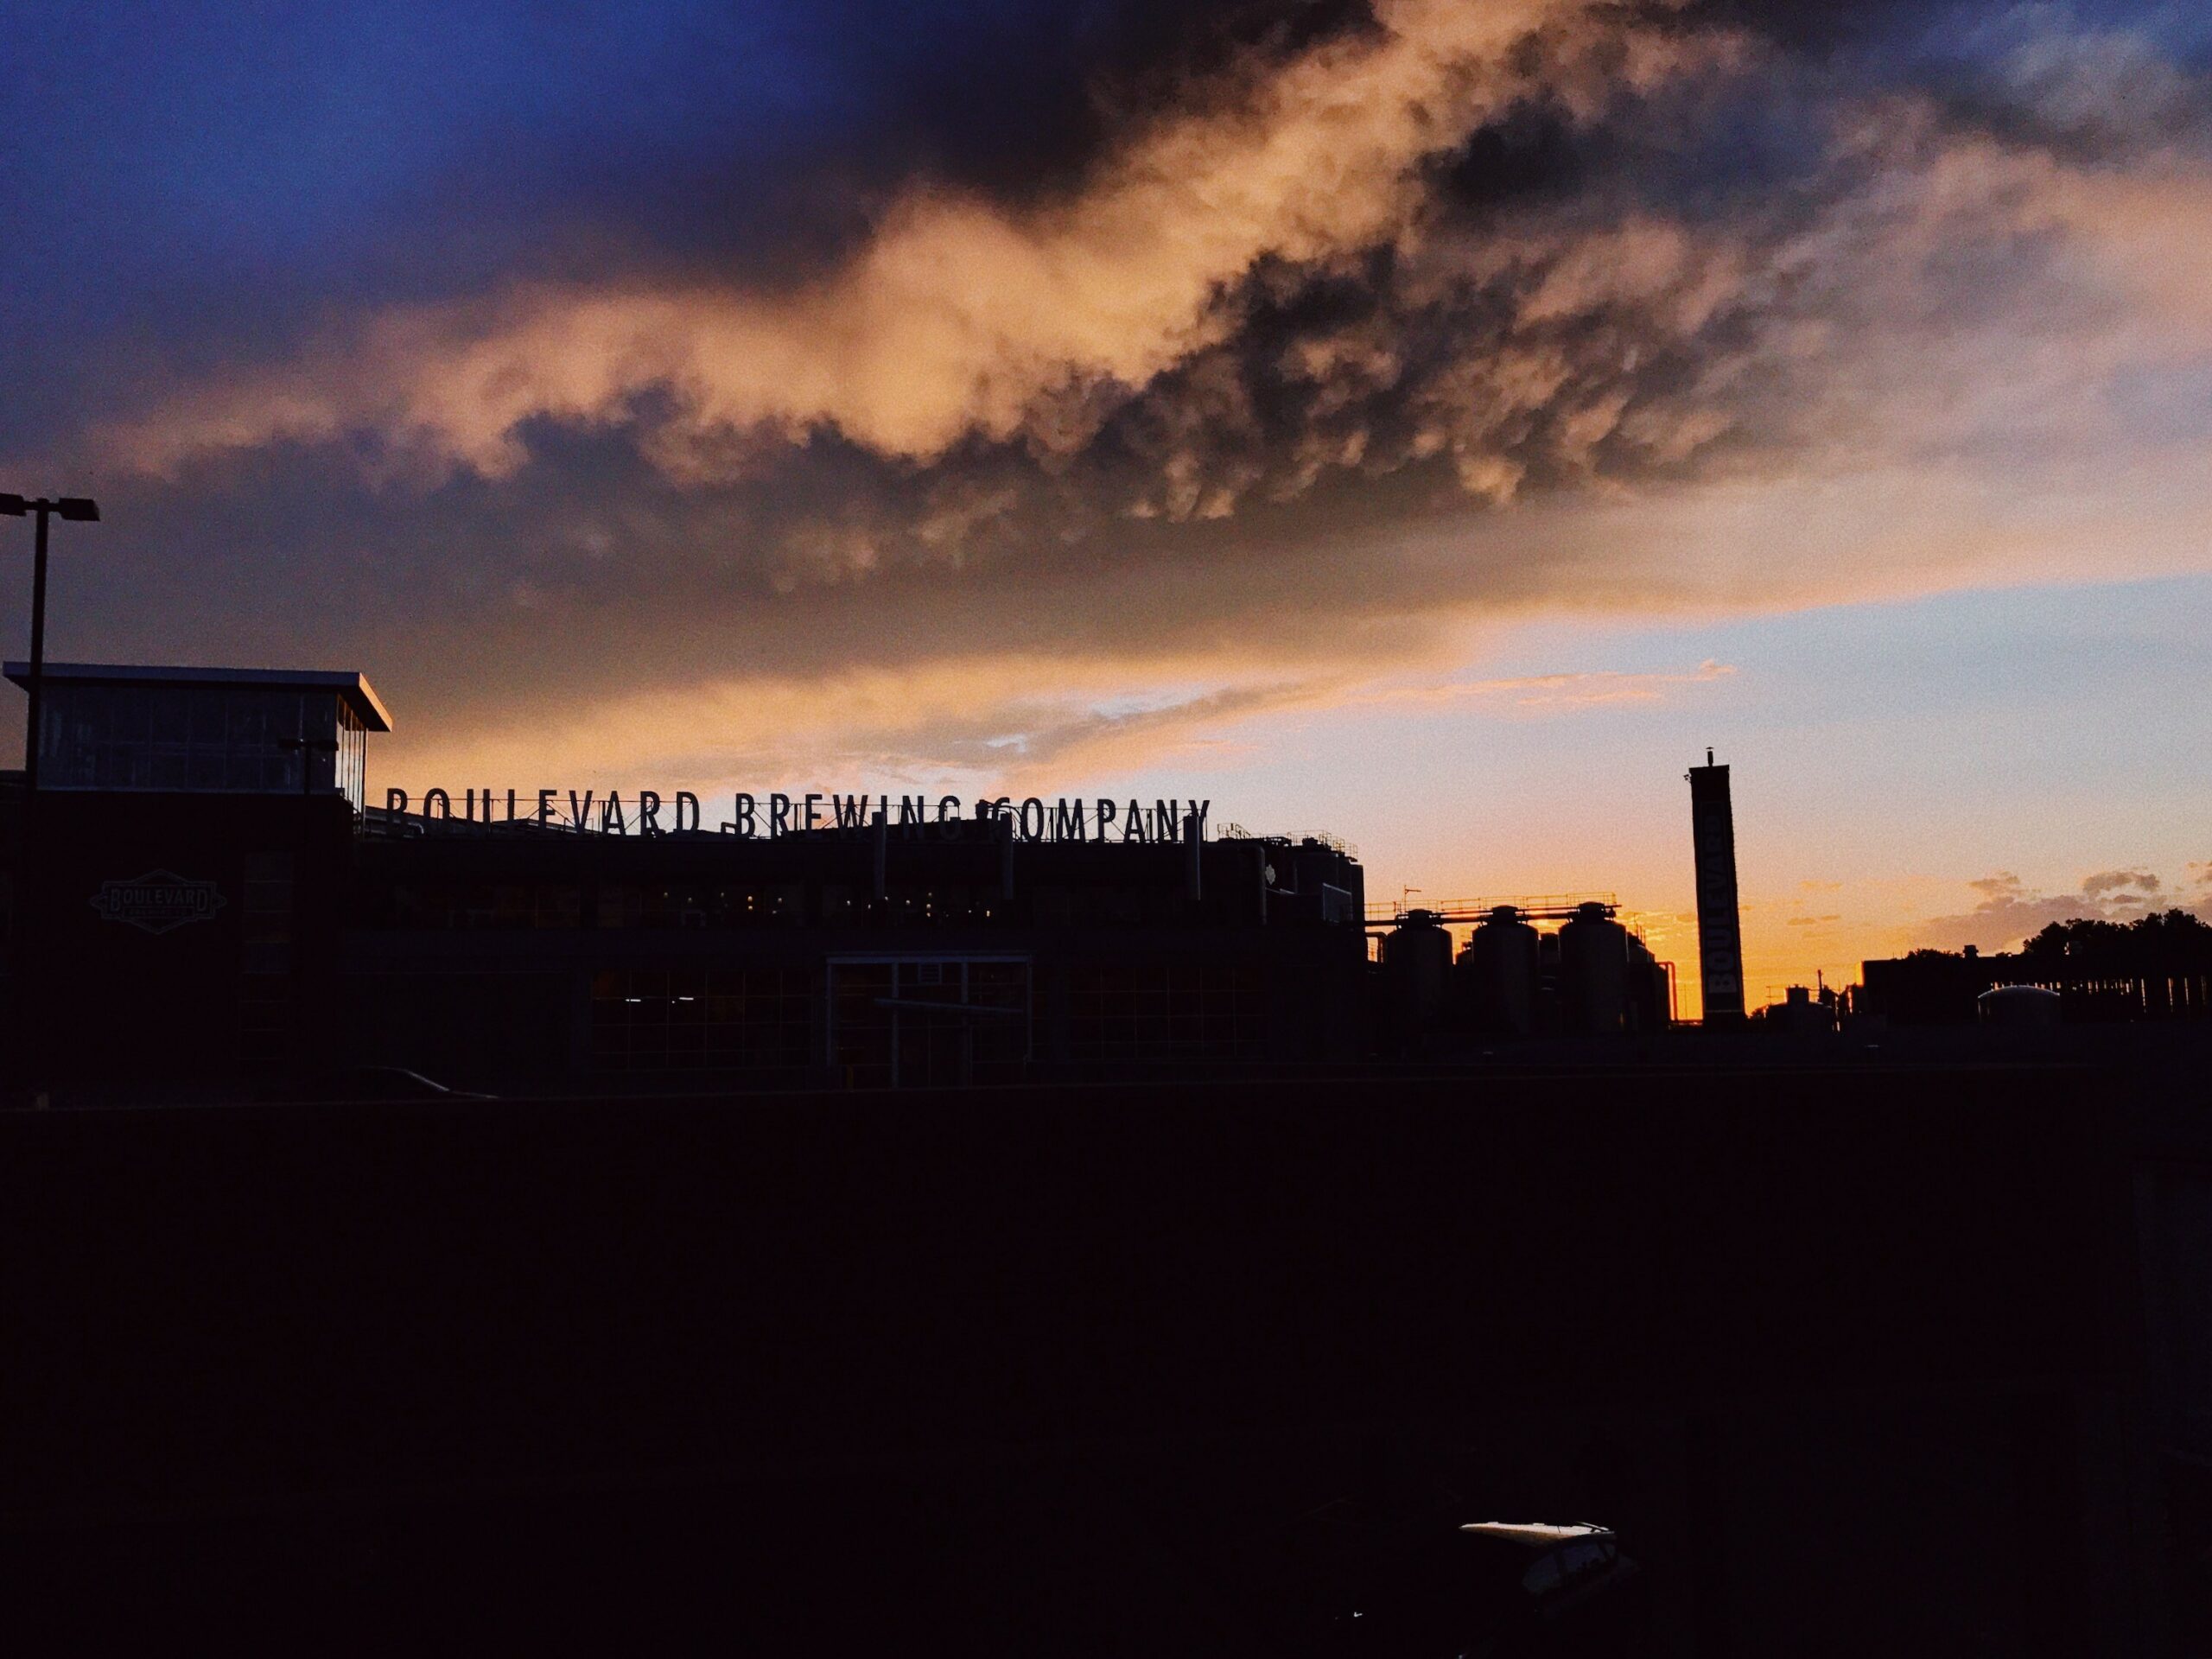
x: 1592, y: 978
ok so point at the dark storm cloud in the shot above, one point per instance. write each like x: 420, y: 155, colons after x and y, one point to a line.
x: 207, y: 179
x: 785, y: 345
x: 1823, y: 26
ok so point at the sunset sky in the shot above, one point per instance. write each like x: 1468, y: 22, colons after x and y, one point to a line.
x: 1433, y: 421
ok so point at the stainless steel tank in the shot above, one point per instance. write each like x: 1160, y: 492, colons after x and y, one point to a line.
x: 1593, y: 973
x: 1417, y: 959
x: 1647, y: 988
x: 1500, y: 968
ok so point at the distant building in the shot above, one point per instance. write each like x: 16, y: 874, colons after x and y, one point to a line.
x: 2159, y: 967
x: 1719, y: 935
x: 1930, y: 987
x: 1804, y: 1010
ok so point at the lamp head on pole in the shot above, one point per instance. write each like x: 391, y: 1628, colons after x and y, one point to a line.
x: 77, y: 509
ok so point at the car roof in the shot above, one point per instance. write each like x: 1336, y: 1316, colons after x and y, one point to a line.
x: 1537, y: 1534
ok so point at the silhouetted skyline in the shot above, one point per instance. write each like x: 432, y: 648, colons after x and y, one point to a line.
x: 1421, y: 420
x: 1021, y: 965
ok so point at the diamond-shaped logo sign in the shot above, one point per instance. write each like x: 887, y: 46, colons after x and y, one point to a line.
x: 157, y: 901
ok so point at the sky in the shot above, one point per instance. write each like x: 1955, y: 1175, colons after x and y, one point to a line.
x: 1430, y: 422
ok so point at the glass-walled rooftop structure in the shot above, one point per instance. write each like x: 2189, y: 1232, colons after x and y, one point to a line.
x: 205, y: 730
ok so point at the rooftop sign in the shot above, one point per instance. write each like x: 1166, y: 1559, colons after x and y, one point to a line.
x: 769, y: 816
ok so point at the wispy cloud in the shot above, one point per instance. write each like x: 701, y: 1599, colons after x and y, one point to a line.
x: 1560, y: 692
x: 2122, y: 886
x: 2009, y: 911
x: 998, y: 723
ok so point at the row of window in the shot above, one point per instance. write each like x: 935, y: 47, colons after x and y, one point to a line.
x: 886, y: 1028
x: 916, y: 1023
x: 680, y: 1018
x: 1149, y: 1010
x: 507, y: 905
x: 215, y: 739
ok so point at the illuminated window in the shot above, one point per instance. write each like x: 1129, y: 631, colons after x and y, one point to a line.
x: 684, y: 1017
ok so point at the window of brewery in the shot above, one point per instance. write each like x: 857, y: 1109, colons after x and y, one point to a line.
x: 929, y: 1021
x: 863, y: 1026
x: 1157, y: 1010
x: 657, y: 904
x: 200, y: 739
x: 687, y: 1018
x: 1000, y: 1037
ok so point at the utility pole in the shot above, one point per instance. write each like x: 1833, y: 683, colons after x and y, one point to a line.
x: 77, y: 509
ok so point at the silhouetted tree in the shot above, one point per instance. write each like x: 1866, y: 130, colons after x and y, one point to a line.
x: 2162, y: 942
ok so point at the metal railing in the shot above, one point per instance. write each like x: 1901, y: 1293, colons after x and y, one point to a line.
x: 1546, y: 906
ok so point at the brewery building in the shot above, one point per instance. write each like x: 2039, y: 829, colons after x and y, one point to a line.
x: 201, y: 885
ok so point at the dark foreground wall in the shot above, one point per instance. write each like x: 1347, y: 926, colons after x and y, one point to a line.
x: 1809, y: 1326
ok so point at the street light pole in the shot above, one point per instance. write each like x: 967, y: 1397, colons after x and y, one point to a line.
x: 38, y: 655
x: 77, y: 509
